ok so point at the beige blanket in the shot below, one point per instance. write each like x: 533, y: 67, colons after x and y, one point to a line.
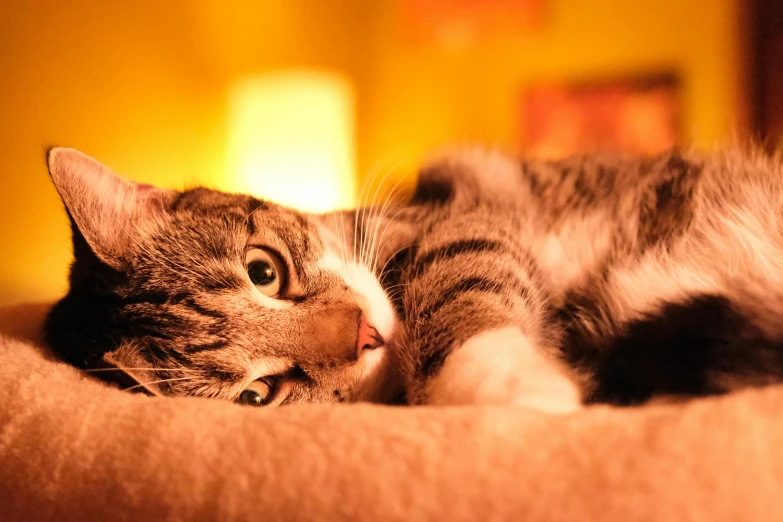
x: 72, y: 448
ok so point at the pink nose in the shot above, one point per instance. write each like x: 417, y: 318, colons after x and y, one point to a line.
x: 369, y: 337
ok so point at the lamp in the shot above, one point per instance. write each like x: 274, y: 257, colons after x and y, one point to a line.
x: 291, y: 139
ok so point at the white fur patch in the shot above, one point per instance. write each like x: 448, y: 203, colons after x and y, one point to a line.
x: 502, y: 367
x: 372, y: 374
x: 574, y: 250
x: 499, y: 172
x: 749, y: 240
x: 330, y: 262
x: 653, y: 282
x: 267, y: 367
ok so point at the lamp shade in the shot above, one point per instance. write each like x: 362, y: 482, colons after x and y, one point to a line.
x: 291, y: 139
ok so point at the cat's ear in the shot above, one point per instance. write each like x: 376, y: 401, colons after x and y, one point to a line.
x: 106, y: 209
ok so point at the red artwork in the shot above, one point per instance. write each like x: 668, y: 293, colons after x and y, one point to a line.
x: 639, y: 115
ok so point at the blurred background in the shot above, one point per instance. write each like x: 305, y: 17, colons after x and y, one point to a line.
x: 306, y: 101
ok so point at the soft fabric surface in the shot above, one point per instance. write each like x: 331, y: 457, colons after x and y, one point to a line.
x: 72, y: 448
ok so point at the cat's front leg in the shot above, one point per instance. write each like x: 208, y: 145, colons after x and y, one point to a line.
x: 502, y: 366
x: 477, y: 326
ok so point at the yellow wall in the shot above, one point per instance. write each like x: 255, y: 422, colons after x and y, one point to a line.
x: 421, y: 95
x: 142, y: 85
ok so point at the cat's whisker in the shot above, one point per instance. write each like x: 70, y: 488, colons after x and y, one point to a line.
x: 368, y: 206
x: 383, y: 214
x: 338, y: 221
x: 344, y: 241
x: 252, y: 212
x: 397, y: 287
x: 383, y: 244
x: 379, y: 237
x: 159, y: 381
x: 369, y: 210
x: 122, y: 369
x: 383, y: 269
x: 371, y: 220
x: 373, y: 240
x: 340, y: 239
x: 363, y: 198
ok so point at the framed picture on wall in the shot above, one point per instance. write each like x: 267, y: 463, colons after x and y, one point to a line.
x: 638, y: 114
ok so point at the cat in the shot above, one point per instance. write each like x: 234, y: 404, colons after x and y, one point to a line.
x: 550, y: 284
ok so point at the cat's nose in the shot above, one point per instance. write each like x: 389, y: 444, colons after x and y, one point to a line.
x: 369, y: 337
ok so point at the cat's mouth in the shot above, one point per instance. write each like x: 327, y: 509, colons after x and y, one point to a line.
x: 369, y: 336
x: 378, y: 341
x: 380, y: 379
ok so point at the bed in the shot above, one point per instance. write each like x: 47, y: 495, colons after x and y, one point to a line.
x: 73, y: 448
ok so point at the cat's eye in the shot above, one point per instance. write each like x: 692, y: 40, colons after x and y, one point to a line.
x: 259, y: 393
x: 265, y: 271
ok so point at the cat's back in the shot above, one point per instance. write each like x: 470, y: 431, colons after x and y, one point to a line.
x: 584, y: 182
x: 582, y: 214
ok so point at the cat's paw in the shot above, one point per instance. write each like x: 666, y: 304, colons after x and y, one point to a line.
x: 503, y: 367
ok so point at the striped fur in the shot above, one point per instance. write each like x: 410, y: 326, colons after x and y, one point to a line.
x: 548, y: 284
x: 633, y: 277
x: 164, y: 293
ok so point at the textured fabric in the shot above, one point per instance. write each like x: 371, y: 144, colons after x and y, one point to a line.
x: 72, y: 448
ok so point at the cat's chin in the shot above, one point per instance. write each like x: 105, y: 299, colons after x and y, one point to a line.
x: 381, y: 381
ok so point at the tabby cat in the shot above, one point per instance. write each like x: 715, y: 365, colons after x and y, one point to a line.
x: 548, y: 284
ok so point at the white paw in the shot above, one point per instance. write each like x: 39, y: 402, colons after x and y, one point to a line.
x: 502, y: 367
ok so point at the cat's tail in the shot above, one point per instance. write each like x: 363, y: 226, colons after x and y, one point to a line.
x: 665, y: 336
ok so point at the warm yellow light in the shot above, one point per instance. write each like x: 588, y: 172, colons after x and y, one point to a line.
x: 291, y: 139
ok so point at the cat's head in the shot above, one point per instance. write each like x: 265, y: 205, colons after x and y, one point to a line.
x: 212, y: 294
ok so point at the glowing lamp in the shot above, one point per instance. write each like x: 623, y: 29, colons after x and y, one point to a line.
x: 291, y: 139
